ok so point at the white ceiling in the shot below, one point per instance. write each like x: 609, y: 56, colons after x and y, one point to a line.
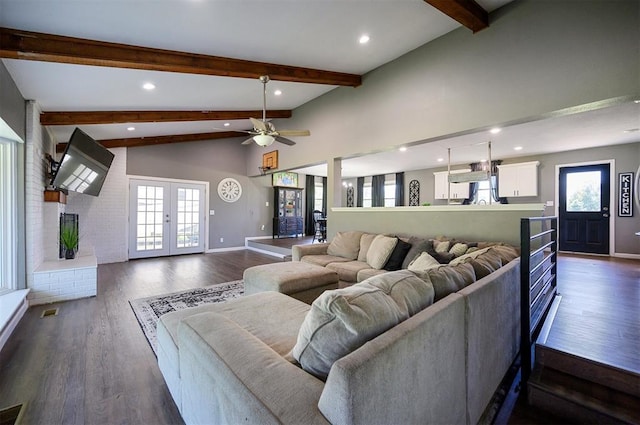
x: 320, y: 34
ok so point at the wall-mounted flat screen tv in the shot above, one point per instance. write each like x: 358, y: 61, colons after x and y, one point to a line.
x: 83, y: 166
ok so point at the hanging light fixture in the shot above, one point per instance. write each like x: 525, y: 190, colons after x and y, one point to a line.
x: 263, y: 139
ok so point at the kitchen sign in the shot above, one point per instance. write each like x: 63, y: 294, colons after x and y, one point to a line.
x: 625, y: 194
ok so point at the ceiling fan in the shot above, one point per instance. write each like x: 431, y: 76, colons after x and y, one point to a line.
x: 264, y: 133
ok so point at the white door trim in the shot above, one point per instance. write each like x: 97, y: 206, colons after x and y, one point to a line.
x: 170, y: 180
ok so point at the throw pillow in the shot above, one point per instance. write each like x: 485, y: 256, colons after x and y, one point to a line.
x: 365, y: 244
x: 449, y: 279
x: 442, y: 246
x: 409, y: 292
x: 485, y: 264
x: 506, y: 252
x: 380, y: 251
x: 465, y: 257
x: 340, y: 321
x: 397, y: 256
x: 418, y: 245
x: 345, y: 244
x: 458, y: 249
x: 423, y: 262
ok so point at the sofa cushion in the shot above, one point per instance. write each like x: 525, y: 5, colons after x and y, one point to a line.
x: 348, y: 270
x: 345, y: 244
x: 470, y: 255
x: 323, y: 260
x: 418, y: 245
x: 380, y: 251
x: 411, y: 293
x: 365, y: 274
x: 507, y: 253
x: 397, y: 256
x: 485, y: 264
x: 448, y: 279
x: 423, y: 262
x: 341, y: 321
x: 365, y: 243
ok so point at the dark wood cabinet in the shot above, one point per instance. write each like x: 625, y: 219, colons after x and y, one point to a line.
x: 287, y: 212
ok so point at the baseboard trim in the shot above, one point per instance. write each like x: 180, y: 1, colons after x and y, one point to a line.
x: 629, y: 256
x: 231, y: 248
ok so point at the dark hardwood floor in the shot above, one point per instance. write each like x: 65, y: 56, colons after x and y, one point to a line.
x: 91, y: 364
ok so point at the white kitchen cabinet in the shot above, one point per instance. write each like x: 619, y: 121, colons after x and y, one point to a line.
x: 517, y: 180
x: 458, y: 190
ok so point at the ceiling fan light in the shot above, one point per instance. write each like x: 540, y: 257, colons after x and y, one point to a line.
x: 263, y: 139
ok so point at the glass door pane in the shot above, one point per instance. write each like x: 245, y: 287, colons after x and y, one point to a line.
x: 584, y: 191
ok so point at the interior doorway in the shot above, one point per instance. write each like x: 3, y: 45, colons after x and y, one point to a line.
x: 584, y: 208
x: 166, y: 218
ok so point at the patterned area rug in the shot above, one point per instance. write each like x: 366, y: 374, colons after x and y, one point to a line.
x: 148, y: 310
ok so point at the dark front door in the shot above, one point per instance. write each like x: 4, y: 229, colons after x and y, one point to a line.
x: 584, y: 209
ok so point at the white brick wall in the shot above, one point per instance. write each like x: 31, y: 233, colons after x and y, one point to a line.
x: 103, y: 219
x: 51, y: 286
x: 49, y: 279
x: 35, y: 182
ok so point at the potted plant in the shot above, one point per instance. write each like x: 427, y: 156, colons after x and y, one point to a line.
x: 69, y: 239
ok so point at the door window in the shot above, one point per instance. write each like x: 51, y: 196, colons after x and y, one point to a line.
x: 584, y: 192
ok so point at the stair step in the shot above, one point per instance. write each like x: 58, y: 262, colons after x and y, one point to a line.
x: 579, y: 399
x: 625, y: 381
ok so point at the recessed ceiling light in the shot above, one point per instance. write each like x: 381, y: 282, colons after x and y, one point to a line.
x: 517, y: 148
x: 495, y: 130
x: 227, y: 124
x: 631, y: 130
x: 636, y: 101
x: 483, y: 160
x: 277, y: 92
x: 148, y: 86
x: 403, y: 149
x: 364, y: 39
x: 131, y: 128
x: 440, y: 159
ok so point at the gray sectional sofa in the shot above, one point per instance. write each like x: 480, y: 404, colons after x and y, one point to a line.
x: 399, y: 347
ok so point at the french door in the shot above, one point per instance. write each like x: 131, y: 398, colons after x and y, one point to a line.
x: 584, y: 210
x: 165, y: 218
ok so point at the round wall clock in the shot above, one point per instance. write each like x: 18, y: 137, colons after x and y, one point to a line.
x: 229, y: 190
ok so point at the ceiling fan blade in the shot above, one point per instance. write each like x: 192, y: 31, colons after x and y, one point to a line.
x: 294, y: 132
x: 285, y: 141
x: 259, y: 125
x: 235, y: 131
x: 248, y: 141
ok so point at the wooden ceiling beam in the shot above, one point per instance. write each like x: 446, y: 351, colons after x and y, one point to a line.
x: 161, y: 140
x: 115, y: 117
x: 28, y: 45
x: 467, y: 12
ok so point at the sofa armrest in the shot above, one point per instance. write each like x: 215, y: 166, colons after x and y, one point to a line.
x: 230, y: 376
x: 299, y: 251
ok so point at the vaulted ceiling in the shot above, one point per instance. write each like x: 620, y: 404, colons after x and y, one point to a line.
x: 85, y: 63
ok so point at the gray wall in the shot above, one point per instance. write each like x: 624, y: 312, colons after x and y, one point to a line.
x: 13, y: 112
x: 466, y: 223
x: 536, y: 57
x: 211, y: 161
